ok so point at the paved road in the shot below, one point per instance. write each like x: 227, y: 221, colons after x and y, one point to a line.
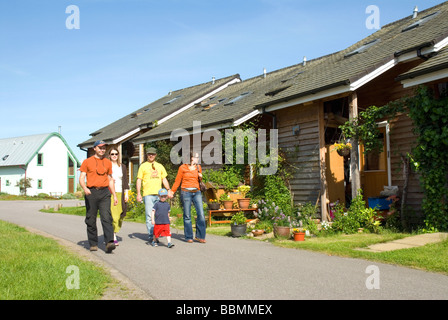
x: 233, y: 269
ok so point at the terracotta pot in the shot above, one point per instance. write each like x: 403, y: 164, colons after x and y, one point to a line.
x: 228, y: 204
x: 282, y: 231
x: 257, y: 233
x: 244, y: 203
x: 299, y: 236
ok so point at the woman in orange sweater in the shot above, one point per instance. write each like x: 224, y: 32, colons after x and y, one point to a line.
x: 188, y: 179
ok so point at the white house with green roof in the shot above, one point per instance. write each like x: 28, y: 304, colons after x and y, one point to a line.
x: 45, y: 158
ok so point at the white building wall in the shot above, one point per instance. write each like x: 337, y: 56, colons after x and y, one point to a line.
x: 13, y: 175
x: 53, y: 172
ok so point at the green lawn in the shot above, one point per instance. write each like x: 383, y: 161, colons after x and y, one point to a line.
x: 33, y: 267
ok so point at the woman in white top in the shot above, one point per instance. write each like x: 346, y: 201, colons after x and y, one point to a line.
x: 120, y: 176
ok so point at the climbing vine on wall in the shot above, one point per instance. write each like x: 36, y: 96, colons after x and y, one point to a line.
x: 429, y: 157
x: 430, y: 116
x: 364, y: 128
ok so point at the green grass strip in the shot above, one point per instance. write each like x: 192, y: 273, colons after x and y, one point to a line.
x: 33, y: 267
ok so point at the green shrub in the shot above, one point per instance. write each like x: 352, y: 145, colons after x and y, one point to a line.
x: 68, y: 196
x: 357, y: 216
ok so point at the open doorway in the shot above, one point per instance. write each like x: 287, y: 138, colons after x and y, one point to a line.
x: 375, y: 166
x: 337, y: 167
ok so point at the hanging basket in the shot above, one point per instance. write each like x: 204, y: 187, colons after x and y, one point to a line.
x: 343, y: 152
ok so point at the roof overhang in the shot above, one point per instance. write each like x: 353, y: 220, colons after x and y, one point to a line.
x: 425, y: 76
x: 351, y: 85
x: 227, y: 123
x: 135, y: 131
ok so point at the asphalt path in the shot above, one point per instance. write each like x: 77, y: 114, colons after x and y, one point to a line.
x: 233, y: 269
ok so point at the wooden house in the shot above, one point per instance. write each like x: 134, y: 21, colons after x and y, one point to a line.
x: 121, y: 132
x: 333, y: 89
x: 308, y: 102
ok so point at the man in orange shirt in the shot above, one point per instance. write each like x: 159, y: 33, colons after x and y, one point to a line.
x: 98, y: 171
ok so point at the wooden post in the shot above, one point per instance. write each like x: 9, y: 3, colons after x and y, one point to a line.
x: 141, y: 153
x: 354, y: 154
x: 120, y: 153
x: 322, y: 157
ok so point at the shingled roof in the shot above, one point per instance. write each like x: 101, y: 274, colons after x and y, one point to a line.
x: 156, y: 112
x: 227, y: 108
x: 340, y: 72
x: 350, y: 69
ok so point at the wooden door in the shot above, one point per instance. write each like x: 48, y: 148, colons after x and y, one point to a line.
x: 71, y: 185
x: 374, y: 169
x: 335, y: 175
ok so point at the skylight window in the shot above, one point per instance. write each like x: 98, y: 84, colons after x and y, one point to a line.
x: 241, y: 96
x: 421, y: 21
x: 362, y: 49
x: 172, y: 100
x: 276, y: 91
x: 292, y: 77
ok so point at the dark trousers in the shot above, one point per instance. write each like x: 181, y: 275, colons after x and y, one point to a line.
x: 100, y: 201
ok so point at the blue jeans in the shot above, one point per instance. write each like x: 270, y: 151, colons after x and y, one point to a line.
x: 150, y: 201
x: 187, y: 198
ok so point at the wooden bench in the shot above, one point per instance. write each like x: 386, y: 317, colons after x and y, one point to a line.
x: 230, y: 212
x: 56, y: 194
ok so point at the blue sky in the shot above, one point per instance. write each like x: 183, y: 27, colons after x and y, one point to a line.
x: 128, y: 53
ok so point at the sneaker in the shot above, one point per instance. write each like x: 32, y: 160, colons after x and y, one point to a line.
x: 170, y: 245
x: 154, y: 244
x: 94, y: 248
x: 110, y: 246
x: 116, y: 243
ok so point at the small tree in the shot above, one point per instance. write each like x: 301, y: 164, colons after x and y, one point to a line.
x: 24, y: 184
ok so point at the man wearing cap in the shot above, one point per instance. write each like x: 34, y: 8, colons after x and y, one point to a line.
x: 98, y: 171
x: 151, y: 175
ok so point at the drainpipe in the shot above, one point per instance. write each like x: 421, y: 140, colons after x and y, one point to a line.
x: 421, y: 56
x: 274, y: 117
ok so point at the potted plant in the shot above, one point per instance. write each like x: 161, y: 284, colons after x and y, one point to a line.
x: 244, y: 202
x: 343, y: 148
x: 261, y: 227
x: 299, y: 234
x: 226, y: 201
x: 213, y: 204
x: 238, y: 224
x: 282, y: 225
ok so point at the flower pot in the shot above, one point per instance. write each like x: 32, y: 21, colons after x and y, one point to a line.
x: 238, y: 230
x: 257, y: 233
x: 244, y: 203
x: 228, y: 204
x: 282, y: 232
x: 343, y: 152
x: 299, y: 236
x: 213, y: 205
